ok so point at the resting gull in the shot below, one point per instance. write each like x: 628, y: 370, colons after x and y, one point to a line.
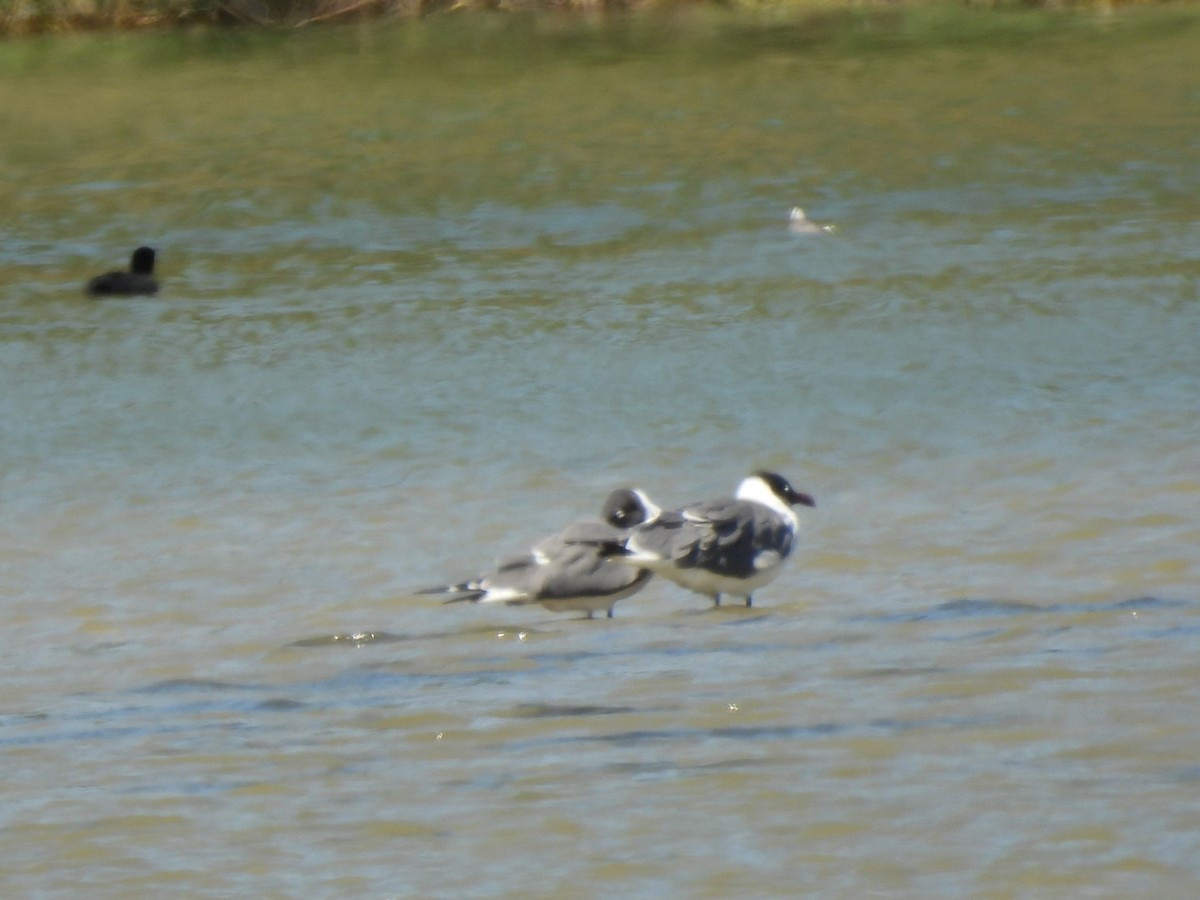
x: 567, y: 571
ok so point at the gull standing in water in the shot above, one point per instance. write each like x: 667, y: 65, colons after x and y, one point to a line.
x: 567, y: 571
x: 729, y: 546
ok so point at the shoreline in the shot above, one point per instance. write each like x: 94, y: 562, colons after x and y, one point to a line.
x: 47, y: 17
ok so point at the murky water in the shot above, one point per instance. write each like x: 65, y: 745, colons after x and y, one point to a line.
x: 430, y: 291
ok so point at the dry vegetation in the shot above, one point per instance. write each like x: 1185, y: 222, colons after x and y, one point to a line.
x: 36, y: 16
x: 40, y: 16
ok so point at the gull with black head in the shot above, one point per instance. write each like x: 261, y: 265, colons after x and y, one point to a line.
x: 567, y: 571
x: 729, y: 546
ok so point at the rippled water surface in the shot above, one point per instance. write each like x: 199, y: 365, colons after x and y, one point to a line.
x: 432, y: 290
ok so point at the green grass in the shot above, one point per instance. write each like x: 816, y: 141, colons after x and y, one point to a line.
x: 42, y: 16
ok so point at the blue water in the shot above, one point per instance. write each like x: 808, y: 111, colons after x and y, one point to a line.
x: 421, y: 307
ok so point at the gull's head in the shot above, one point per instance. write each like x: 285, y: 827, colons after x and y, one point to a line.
x: 772, y: 489
x: 628, y: 508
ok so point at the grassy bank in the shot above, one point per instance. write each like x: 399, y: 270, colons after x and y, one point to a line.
x: 41, y: 16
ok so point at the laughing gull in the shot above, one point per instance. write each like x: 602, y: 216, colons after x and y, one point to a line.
x: 729, y: 546
x: 567, y: 571
x: 138, y: 280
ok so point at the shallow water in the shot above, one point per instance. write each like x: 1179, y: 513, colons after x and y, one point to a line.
x: 432, y: 290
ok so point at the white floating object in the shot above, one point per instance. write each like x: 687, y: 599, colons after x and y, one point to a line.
x: 799, y: 223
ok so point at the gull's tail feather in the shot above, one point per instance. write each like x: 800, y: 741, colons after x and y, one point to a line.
x: 464, y: 591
